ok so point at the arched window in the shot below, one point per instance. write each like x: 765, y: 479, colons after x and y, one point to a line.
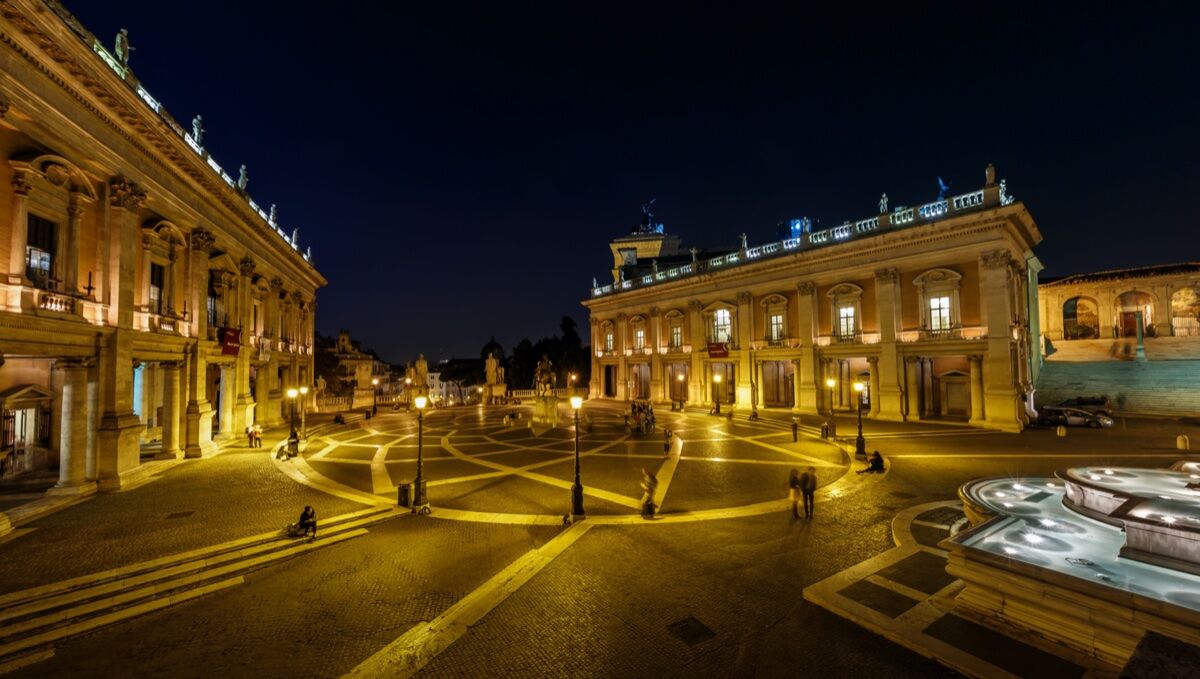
x: 1081, y: 318
x: 1185, y: 312
x: 938, y: 291
x: 846, y: 304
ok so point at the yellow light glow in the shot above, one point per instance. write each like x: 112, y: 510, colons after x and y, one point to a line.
x: 858, y: 386
x: 479, y: 389
x: 292, y: 393
x: 375, y: 381
x: 304, y: 390
x: 576, y: 402
x: 830, y: 382
x: 420, y: 402
x: 680, y: 377
x: 717, y: 378
x: 408, y: 380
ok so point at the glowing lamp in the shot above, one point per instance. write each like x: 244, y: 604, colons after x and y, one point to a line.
x: 830, y: 382
x: 292, y: 393
x: 576, y: 402
x: 420, y: 402
x: 858, y: 386
x: 304, y: 390
x: 717, y: 378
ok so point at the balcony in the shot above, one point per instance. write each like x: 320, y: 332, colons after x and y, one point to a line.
x: 55, y: 302
x: 854, y: 337
x: 949, y: 332
x: 165, y: 323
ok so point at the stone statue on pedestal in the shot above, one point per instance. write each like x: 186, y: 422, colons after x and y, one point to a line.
x: 883, y: 204
x: 197, y: 130
x: 543, y: 377
x: 421, y: 373
x: 989, y: 175
x: 243, y: 178
x: 122, y: 47
x: 491, y: 368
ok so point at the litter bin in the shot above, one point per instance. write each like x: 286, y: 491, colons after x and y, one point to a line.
x: 404, y: 495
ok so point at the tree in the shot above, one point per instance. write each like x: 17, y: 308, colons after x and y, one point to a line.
x: 522, y: 364
x: 492, y: 347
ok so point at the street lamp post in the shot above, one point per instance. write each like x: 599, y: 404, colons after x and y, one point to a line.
x: 374, y: 391
x: 407, y: 394
x: 419, y: 482
x: 717, y: 395
x: 860, y: 444
x: 682, y: 393
x: 577, y: 489
x: 291, y: 394
x: 571, y: 378
x: 303, y: 411
x: 830, y: 425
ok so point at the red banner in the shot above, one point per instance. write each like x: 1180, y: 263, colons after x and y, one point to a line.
x: 718, y: 350
x: 231, y: 340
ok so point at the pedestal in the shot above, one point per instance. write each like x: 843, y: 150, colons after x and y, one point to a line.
x: 545, y: 410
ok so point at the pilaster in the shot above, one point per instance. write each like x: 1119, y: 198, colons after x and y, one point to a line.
x: 72, y: 448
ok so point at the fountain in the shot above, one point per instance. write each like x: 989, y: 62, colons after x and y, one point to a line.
x: 1094, y: 558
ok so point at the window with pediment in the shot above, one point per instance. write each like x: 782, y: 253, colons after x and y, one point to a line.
x: 939, y: 302
x: 846, y: 311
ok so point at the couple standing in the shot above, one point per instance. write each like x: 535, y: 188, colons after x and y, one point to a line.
x: 802, y: 485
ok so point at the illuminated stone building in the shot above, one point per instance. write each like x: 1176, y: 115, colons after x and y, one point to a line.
x: 1108, y: 304
x: 933, y: 309
x: 144, y: 297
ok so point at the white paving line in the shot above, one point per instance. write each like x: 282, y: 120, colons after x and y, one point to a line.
x: 381, y: 481
x: 1039, y: 456
x: 414, y: 649
x: 667, y: 471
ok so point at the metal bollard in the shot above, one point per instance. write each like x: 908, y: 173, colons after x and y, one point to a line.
x: 1060, y: 430
x: 1182, y: 442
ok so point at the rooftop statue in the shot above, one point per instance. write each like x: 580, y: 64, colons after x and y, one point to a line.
x: 271, y: 217
x: 197, y: 130
x: 647, y: 224
x: 883, y: 204
x: 989, y: 175
x: 1005, y: 198
x: 243, y: 178
x: 123, y: 48
x: 943, y: 189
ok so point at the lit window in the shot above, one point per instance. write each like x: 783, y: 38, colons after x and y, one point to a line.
x: 722, y: 325
x: 676, y: 336
x: 639, y: 339
x: 156, y: 288
x: 775, y: 327
x: 939, y: 313
x: 39, y: 251
x: 846, y: 324
x: 608, y: 342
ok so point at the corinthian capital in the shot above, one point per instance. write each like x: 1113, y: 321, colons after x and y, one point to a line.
x: 806, y: 288
x: 995, y: 259
x: 246, y: 266
x: 202, y: 240
x: 126, y: 194
x: 888, y: 275
x: 21, y: 184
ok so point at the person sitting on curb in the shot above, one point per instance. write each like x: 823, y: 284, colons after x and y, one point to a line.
x: 308, y: 521
x: 874, y: 464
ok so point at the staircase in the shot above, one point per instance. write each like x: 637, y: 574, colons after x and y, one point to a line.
x: 32, y: 620
x: 1135, y: 387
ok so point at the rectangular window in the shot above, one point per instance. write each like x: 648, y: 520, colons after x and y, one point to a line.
x: 212, y: 302
x: 608, y: 342
x: 722, y: 325
x: 775, y: 327
x: 39, y: 251
x: 156, y: 288
x: 846, y: 325
x: 676, y: 336
x: 639, y: 339
x: 939, y: 313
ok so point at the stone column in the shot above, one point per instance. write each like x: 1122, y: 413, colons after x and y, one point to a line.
x: 169, y: 286
x: 912, y: 390
x: 622, y: 360
x: 873, y: 362
x: 244, y: 407
x: 977, y: 414
x: 656, y: 363
x: 845, y: 381
x: 119, y: 431
x: 228, y: 397
x: 1162, y: 310
x: 72, y: 448
x: 70, y: 249
x: 126, y: 199
x: 887, y: 392
x: 171, y: 412
x: 143, y: 284
x: 199, y: 409
x: 19, y: 238
x: 93, y: 420
x: 201, y: 243
x: 1002, y: 399
x: 696, y: 392
x: 744, y: 327
x: 808, y: 384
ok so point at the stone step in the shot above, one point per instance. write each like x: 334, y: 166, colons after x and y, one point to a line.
x: 1147, y: 387
x: 33, y: 619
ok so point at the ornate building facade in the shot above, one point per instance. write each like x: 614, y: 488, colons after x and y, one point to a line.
x: 933, y: 310
x: 1163, y: 299
x: 145, y: 300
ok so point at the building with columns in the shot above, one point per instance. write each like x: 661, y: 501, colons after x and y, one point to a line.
x: 146, y: 302
x: 933, y: 309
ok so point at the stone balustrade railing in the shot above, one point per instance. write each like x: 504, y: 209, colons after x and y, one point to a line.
x: 53, y: 301
x: 902, y: 216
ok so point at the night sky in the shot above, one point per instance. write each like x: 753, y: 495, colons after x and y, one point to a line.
x: 459, y: 171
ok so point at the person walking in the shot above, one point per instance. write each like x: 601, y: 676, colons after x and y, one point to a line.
x: 649, y: 486
x: 794, y: 491
x: 667, y: 443
x: 808, y: 487
x: 258, y: 436
x: 250, y: 436
x: 795, y: 431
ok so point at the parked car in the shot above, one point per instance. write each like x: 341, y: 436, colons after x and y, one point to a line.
x: 1072, y: 417
x: 1099, y: 405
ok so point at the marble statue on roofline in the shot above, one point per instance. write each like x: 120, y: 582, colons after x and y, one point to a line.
x: 1005, y: 198
x: 272, y: 215
x: 243, y: 178
x: 197, y: 130
x: 989, y: 175
x: 883, y: 204
x: 943, y: 189
x: 122, y: 49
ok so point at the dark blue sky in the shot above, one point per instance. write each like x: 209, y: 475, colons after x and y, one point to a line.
x: 459, y: 171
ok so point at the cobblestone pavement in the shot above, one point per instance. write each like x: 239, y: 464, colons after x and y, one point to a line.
x: 233, y: 495
x: 312, y: 616
x: 605, y: 607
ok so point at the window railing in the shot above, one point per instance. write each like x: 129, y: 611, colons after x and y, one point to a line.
x: 779, y: 340
x: 853, y: 337
x: 53, y: 301
x: 953, y: 331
